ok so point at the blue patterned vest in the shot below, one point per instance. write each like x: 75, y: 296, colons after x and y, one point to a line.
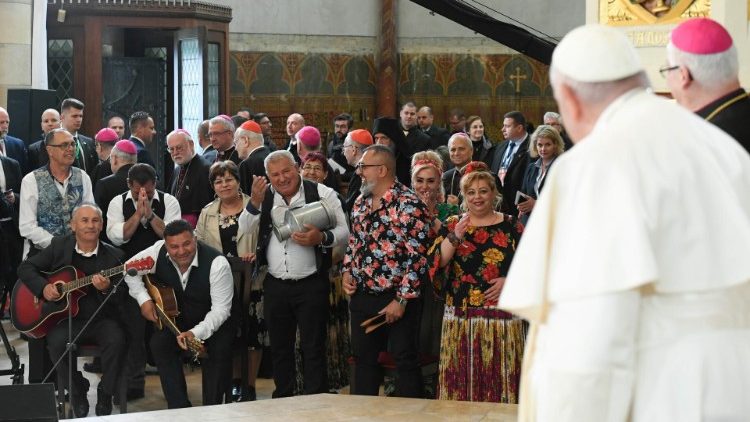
x: 53, y: 211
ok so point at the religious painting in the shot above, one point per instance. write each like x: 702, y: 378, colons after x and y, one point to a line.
x: 651, y: 12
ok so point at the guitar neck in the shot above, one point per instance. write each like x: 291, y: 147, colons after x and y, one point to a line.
x: 85, y: 281
x: 166, y: 320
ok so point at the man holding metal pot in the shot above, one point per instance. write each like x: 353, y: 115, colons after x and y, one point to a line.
x: 297, y: 286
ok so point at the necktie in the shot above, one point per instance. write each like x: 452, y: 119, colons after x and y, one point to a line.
x: 509, y: 157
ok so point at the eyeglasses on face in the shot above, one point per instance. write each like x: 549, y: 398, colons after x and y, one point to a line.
x: 664, y: 70
x: 64, y: 145
x: 178, y: 148
x: 363, y: 166
x: 348, y: 146
x: 212, y: 134
x: 312, y: 168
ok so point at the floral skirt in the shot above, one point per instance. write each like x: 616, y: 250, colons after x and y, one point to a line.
x: 481, y: 352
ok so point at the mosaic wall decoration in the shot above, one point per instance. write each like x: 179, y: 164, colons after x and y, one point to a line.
x: 320, y: 86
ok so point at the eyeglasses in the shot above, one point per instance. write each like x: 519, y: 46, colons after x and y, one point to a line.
x: 348, y: 146
x: 63, y: 146
x: 178, y: 148
x: 212, y: 134
x: 664, y: 70
x: 363, y: 166
x: 312, y: 168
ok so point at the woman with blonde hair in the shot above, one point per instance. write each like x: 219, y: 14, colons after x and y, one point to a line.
x: 545, y: 146
x: 481, y: 346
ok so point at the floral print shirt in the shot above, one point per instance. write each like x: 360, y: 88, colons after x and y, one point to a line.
x: 387, y: 246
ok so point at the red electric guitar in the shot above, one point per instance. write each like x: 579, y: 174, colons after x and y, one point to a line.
x: 35, y: 316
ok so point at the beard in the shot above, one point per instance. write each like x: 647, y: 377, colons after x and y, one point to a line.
x: 366, y: 188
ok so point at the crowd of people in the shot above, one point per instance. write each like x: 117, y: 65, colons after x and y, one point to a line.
x: 424, y: 223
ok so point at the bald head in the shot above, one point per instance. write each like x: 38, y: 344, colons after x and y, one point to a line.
x: 294, y: 123
x: 4, y: 122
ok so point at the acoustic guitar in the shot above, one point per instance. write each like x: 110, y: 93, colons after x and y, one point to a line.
x: 167, y: 311
x: 35, y: 316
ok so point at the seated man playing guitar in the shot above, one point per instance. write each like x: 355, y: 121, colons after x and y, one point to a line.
x: 201, y: 279
x: 83, y: 251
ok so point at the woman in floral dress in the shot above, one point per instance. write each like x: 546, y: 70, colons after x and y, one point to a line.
x: 481, y: 346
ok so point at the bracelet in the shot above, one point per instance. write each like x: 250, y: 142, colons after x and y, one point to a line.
x: 455, y: 240
x: 148, y: 219
x: 401, y: 301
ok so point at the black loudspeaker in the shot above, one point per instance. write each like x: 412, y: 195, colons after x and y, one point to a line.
x: 25, y: 107
x: 29, y: 402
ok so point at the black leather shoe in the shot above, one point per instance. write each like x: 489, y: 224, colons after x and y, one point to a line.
x: 103, y: 402
x: 248, y: 394
x: 79, y: 401
x: 236, y: 390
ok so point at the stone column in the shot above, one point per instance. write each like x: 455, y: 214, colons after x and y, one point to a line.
x: 15, y: 46
x: 387, y: 62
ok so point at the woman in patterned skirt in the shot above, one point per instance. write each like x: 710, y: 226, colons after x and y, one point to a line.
x: 481, y: 347
x: 217, y: 227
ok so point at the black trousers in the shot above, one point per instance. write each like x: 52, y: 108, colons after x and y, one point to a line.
x: 136, y: 358
x: 216, y: 369
x: 401, y: 338
x: 286, y: 306
x: 105, y: 333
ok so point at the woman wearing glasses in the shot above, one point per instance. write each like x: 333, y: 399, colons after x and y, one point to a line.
x: 218, y: 227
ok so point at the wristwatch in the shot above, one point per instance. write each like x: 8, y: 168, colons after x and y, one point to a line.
x: 148, y: 219
x: 401, y: 301
x: 455, y: 240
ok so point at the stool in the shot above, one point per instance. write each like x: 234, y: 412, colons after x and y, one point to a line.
x: 92, y: 350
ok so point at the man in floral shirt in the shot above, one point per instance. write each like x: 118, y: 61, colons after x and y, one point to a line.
x: 384, y: 266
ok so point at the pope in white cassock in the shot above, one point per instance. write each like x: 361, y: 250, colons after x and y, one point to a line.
x: 633, y: 270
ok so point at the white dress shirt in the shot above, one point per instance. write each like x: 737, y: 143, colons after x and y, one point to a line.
x: 221, y: 288
x: 288, y: 260
x: 27, y: 223
x: 116, y: 220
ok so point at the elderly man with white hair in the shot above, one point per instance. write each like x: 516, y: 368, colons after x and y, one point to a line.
x: 632, y: 270
x: 702, y: 73
x: 555, y: 120
x: 297, y: 286
x: 189, y: 182
x: 250, y: 145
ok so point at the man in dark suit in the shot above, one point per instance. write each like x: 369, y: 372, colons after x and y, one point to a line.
x: 37, y: 153
x: 438, y: 136
x: 83, y: 250
x: 142, y: 133
x: 416, y: 141
x: 342, y: 124
x: 250, y: 146
x: 10, y: 253
x: 354, y: 147
x: 511, y: 159
x: 71, y: 118
x: 10, y: 146
x: 190, y: 183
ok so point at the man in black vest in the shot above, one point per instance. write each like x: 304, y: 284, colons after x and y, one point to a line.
x: 203, y: 286
x: 136, y: 218
x: 135, y: 221
x: 10, y: 238
x: 189, y: 184
x: 83, y: 250
x: 296, y: 287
